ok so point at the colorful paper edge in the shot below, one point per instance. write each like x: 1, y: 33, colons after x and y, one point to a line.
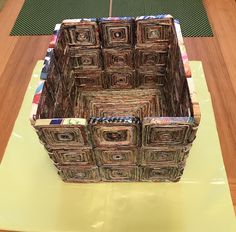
x: 36, y: 100
x: 54, y: 38
x: 61, y: 122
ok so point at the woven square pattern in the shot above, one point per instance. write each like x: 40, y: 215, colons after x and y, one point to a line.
x: 117, y: 156
x: 115, y: 132
x: 115, y: 58
x: 82, y: 156
x: 121, y: 79
x: 82, y: 34
x: 117, y: 33
x: 80, y: 174
x: 165, y: 135
x: 149, y: 32
x: 119, y: 173
x: 90, y: 80
x: 116, y: 102
x: 56, y: 135
x: 164, y: 157
x: 85, y: 59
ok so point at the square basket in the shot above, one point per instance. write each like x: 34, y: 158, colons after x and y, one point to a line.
x: 116, y: 100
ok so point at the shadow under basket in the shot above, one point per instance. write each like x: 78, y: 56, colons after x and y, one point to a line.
x: 117, y: 101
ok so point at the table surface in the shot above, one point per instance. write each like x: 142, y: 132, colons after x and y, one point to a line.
x: 33, y: 198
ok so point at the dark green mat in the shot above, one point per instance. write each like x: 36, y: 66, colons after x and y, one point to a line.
x: 2, y: 2
x: 191, y: 13
x: 38, y: 17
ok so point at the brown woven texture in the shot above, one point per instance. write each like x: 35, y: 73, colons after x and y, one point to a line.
x: 123, y: 76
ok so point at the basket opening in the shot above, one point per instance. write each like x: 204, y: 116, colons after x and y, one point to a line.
x: 113, y: 78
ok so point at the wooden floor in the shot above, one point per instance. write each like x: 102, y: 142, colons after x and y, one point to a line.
x: 18, y: 56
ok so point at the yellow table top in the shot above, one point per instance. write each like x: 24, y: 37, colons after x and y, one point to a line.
x: 33, y: 198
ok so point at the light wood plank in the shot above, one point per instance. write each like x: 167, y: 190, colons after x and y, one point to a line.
x: 222, y: 14
x: 18, y: 57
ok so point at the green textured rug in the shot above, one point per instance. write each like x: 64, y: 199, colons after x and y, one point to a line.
x: 191, y: 13
x: 2, y: 2
x: 38, y: 17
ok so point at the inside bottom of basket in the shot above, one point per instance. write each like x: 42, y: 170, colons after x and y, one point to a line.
x: 121, y: 103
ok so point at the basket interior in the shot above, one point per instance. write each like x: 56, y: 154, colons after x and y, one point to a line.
x: 111, y: 68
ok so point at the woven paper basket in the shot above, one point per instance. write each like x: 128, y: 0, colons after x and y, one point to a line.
x: 116, y: 100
